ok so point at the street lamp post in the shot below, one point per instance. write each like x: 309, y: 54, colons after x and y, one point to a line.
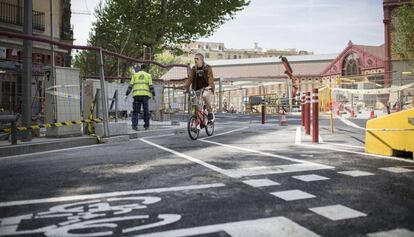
x: 27, y: 71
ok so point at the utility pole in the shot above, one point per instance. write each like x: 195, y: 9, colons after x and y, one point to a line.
x: 27, y: 71
x: 52, y: 58
x: 52, y: 54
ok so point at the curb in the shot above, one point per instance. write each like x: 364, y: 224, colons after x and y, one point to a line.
x: 27, y: 148
x: 46, y: 146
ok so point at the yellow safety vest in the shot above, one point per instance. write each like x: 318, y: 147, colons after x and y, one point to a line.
x: 141, y: 83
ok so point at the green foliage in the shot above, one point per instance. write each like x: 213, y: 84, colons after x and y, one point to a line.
x: 164, y: 58
x: 127, y: 26
x: 403, y: 36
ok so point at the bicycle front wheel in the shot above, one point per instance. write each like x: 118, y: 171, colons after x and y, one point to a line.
x: 210, y: 128
x: 192, y: 129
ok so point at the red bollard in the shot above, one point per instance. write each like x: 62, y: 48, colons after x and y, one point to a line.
x: 315, y: 116
x: 372, y: 114
x: 302, y: 109
x: 263, y: 113
x: 307, y: 112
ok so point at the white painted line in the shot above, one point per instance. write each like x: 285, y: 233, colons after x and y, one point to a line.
x: 344, y: 145
x: 302, y: 166
x: 164, y: 135
x: 200, y: 162
x: 400, y: 232
x: 396, y: 170
x: 298, y: 136
x: 266, y: 227
x: 292, y: 195
x: 356, y: 173
x: 224, y: 133
x: 111, y: 194
x: 306, y: 155
x: 337, y: 212
x: 52, y: 151
x: 356, y: 152
x: 310, y: 177
x: 320, y: 139
x: 278, y: 169
x: 349, y: 123
x: 260, y: 152
x: 260, y: 182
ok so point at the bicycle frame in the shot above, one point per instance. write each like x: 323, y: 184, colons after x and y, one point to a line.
x: 198, y: 109
x: 198, y: 118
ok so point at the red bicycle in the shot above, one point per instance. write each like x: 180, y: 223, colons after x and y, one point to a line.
x: 198, y: 119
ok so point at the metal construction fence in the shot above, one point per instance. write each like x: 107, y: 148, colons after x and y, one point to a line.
x: 366, y: 95
x: 61, y: 94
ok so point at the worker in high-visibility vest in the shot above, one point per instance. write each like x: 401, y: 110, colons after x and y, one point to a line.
x: 142, y: 89
x: 134, y: 69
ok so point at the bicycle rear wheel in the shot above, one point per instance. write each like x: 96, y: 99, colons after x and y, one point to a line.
x: 210, y: 128
x: 192, y: 129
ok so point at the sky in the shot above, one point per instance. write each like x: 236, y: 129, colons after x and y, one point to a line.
x: 321, y: 26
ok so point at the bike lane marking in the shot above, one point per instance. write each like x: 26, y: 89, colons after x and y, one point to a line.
x: 110, y: 194
x: 265, y: 227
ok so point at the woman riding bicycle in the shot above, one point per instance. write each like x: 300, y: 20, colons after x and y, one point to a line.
x: 201, y: 76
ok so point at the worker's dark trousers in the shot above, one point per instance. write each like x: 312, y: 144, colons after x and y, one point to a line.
x: 138, y: 101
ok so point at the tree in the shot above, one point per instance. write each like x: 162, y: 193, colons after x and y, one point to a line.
x: 403, y: 36
x: 165, y: 58
x: 127, y: 26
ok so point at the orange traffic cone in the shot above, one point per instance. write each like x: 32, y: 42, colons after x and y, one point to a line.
x: 352, y: 113
x: 338, y: 113
x: 282, y: 119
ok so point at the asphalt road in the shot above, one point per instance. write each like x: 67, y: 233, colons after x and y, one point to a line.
x: 248, y: 179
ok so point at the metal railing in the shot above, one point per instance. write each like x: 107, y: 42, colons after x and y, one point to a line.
x: 13, y: 14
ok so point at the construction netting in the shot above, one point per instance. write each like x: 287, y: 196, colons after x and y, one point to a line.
x: 367, y: 94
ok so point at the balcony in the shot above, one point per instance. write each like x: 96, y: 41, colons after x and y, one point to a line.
x: 13, y: 14
x: 66, y: 33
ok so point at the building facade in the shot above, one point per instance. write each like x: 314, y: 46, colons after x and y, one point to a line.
x: 353, y: 61
x: 218, y: 51
x: 11, y: 50
x: 392, y: 61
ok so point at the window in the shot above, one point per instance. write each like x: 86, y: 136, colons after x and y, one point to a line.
x: 207, y: 55
x: 220, y: 56
x: 234, y: 56
x: 351, y: 65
